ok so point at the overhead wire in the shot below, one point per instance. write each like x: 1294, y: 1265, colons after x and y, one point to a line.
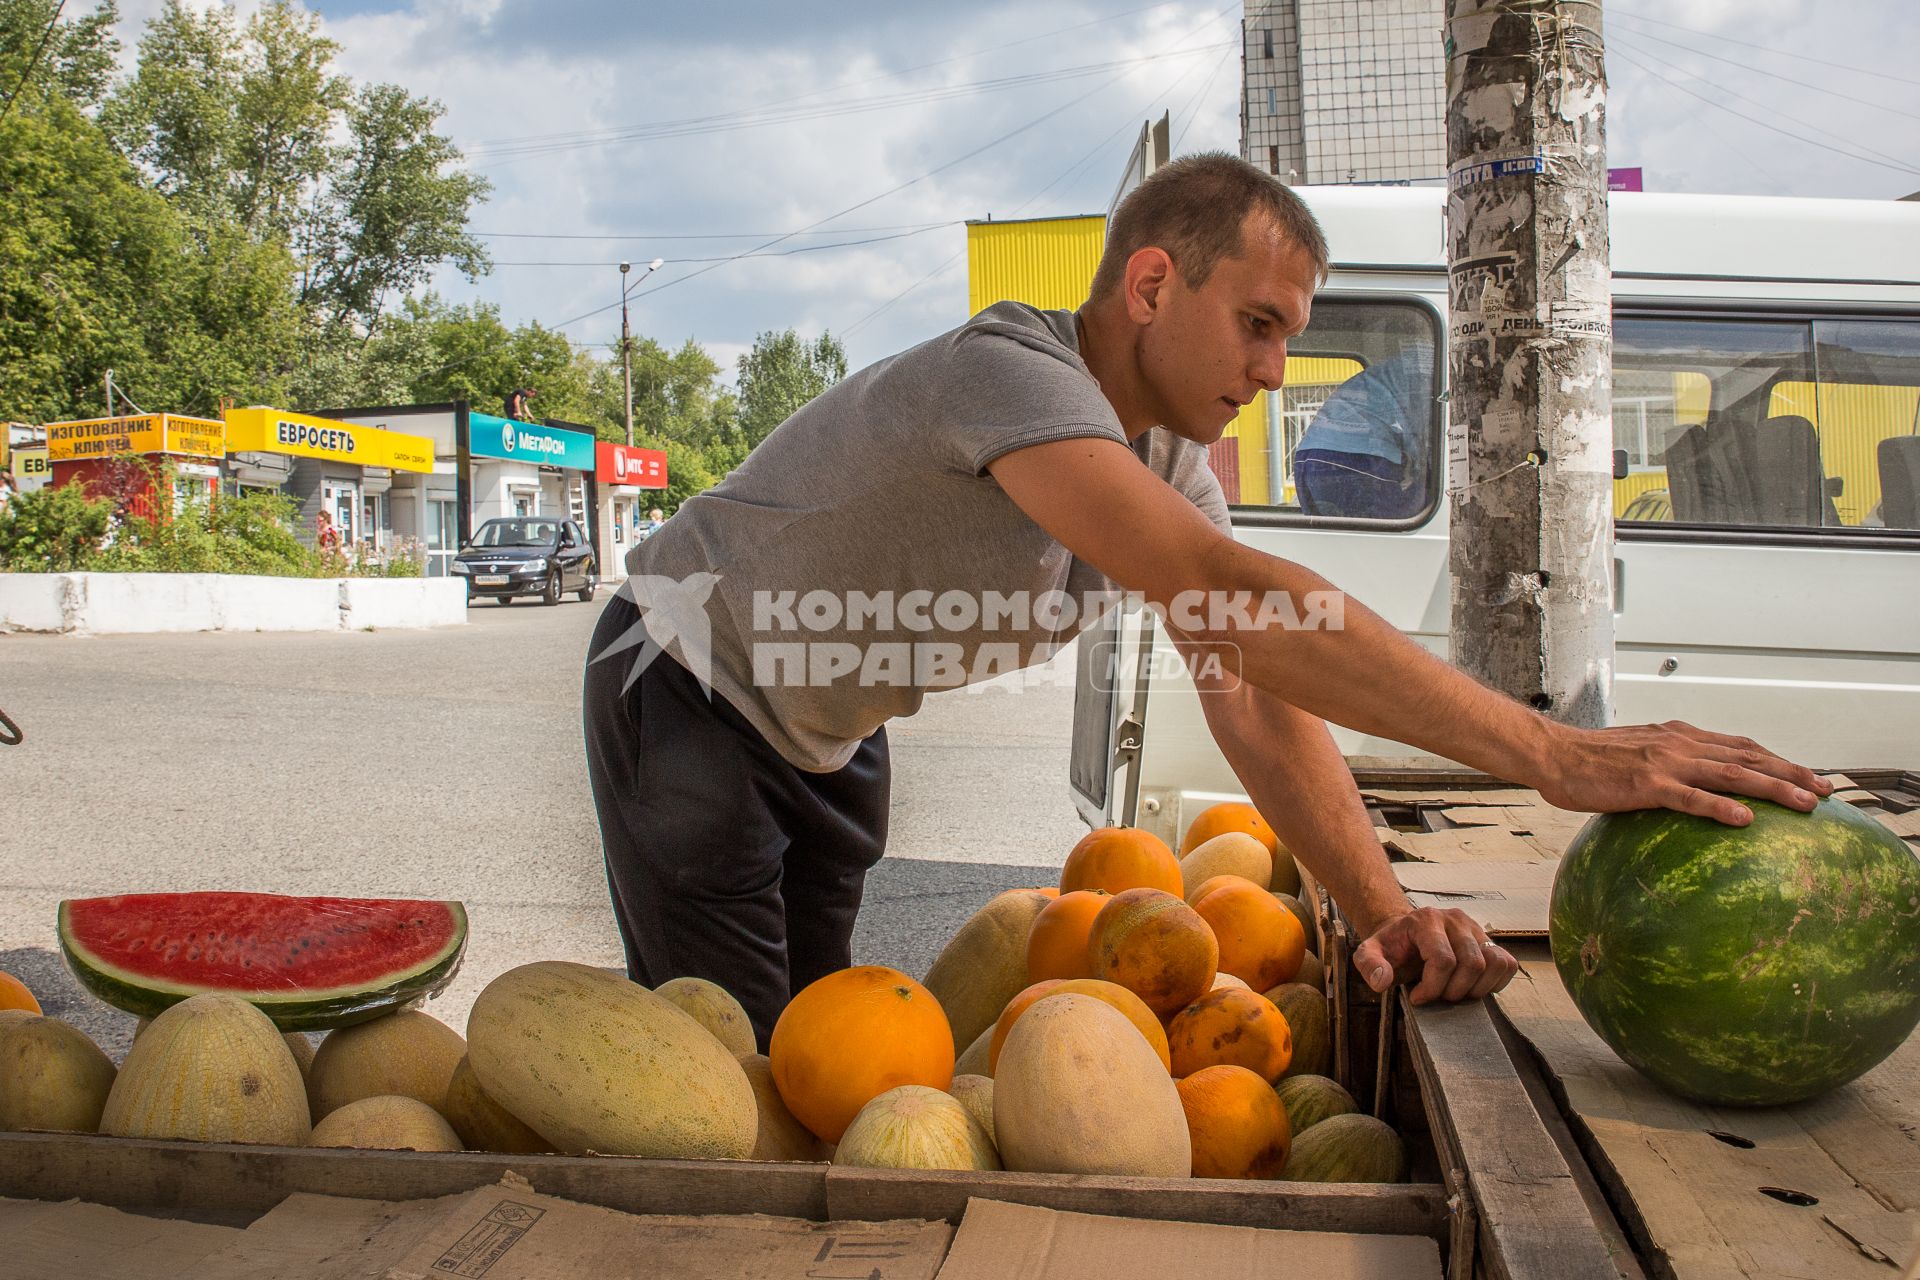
x: 1775, y: 75
x: 1613, y: 11
x: 1831, y: 142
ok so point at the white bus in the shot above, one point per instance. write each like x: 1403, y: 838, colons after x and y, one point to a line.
x: 1766, y: 394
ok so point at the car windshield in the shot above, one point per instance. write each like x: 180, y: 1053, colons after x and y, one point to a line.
x: 517, y: 533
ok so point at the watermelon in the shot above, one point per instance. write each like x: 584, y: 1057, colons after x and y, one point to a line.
x: 307, y: 963
x: 1745, y: 966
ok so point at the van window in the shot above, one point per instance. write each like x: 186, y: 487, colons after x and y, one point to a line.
x: 1354, y: 434
x: 1805, y: 424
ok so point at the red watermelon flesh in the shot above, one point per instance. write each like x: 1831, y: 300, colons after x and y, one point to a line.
x: 307, y: 963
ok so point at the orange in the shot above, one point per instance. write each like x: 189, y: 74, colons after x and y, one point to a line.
x: 851, y: 1036
x: 1120, y: 858
x: 1155, y: 946
x: 1230, y: 816
x: 1231, y: 1027
x: 14, y: 994
x: 1260, y: 940
x: 1057, y: 943
x: 1237, y: 1123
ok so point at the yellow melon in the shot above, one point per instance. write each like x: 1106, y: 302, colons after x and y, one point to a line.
x: 1233, y: 854
x: 914, y: 1127
x: 386, y: 1123
x: 598, y: 1063
x: 297, y: 1043
x: 780, y: 1136
x: 978, y: 1059
x: 985, y: 963
x: 407, y: 1054
x: 482, y: 1123
x: 1079, y: 1090
x: 710, y: 1005
x: 976, y: 1095
x: 210, y: 1069
x: 51, y: 1076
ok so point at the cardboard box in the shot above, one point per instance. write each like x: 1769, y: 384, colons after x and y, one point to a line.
x: 511, y: 1232
x: 998, y: 1241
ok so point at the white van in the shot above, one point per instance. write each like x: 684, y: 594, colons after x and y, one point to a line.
x: 1766, y: 392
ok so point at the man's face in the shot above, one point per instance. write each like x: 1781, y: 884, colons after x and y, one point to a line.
x: 1207, y: 352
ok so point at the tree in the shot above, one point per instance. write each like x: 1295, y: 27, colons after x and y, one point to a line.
x: 1531, y: 354
x: 394, y: 209
x: 781, y: 373
x: 76, y: 63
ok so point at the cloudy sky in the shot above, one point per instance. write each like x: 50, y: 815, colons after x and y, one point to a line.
x: 697, y: 133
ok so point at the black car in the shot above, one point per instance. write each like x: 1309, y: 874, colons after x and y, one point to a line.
x: 541, y: 556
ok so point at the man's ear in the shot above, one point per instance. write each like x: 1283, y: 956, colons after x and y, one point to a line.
x: 1149, y: 271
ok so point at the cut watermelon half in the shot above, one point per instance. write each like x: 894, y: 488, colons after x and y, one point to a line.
x: 307, y: 963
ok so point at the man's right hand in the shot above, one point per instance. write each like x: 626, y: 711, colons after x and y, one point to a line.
x: 1670, y: 766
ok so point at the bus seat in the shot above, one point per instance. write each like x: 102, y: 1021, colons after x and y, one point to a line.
x: 1899, y: 458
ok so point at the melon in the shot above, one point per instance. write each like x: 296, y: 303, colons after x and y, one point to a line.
x: 598, y: 1063
x: 211, y: 1068
x: 1233, y: 853
x: 1312, y: 972
x: 298, y: 1042
x: 1742, y: 966
x: 386, y: 1123
x: 1347, y: 1148
x: 710, y: 1005
x: 307, y: 963
x: 51, y: 1076
x: 984, y: 965
x: 483, y: 1124
x: 1079, y: 1090
x: 780, y: 1136
x: 976, y: 1095
x: 915, y: 1127
x: 1311, y: 1099
x: 409, y: 1054
x: 1286, y: 877
x: 1307, y: 1017
x: 978, y: 1059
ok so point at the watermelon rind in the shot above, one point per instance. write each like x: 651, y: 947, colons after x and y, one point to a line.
x: 1734, y: 980
x: 296, y: 1009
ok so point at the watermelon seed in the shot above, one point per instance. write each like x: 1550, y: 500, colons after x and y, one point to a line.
x: 1800, y: 1199
x: 1731, y: 1139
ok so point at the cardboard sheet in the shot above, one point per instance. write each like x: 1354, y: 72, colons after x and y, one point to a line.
x: 74, y: 1239
x: 999, y: 1241
x: 1507, y: 899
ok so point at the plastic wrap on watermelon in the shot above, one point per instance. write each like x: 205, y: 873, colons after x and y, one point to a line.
x: 310, y: 964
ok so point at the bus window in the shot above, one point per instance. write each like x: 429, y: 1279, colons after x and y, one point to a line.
x: 1763, y: 423
x: 1354, y: 434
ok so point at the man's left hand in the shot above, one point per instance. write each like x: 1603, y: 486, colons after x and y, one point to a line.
x: 1443, y: 952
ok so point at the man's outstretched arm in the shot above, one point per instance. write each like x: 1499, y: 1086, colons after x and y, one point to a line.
x: 1098, y: 501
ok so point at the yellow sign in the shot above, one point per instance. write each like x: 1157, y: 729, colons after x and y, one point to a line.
x: 31, y: 464
x: 304, y: 436
x: 148, y: 433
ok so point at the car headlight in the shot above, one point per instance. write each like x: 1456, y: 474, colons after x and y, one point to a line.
x: 533, y: 566
x: 458, y: 567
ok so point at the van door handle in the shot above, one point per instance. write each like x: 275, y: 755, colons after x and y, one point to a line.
x: 1619, y: 586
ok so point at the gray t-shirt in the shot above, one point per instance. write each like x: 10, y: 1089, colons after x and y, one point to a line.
x: 863, y: 556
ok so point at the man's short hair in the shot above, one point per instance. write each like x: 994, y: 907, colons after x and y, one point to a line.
x: 1194, y: 208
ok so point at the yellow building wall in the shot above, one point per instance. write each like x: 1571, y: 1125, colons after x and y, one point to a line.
x: 1043, y: 262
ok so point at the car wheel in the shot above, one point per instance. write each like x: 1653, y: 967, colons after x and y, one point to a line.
x: 587, y: 587
x: 550, y: 594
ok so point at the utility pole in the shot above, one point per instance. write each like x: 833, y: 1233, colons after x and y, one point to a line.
x: 1530, y: 429
x: 626, y: 338
x: 626, y: 350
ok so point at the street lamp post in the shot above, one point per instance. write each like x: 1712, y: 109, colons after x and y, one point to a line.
x: 626, y: 336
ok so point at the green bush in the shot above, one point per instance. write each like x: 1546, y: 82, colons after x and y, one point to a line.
x: 52, y: 530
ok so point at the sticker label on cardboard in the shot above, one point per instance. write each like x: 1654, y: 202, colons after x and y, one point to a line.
x: 474, y: 1253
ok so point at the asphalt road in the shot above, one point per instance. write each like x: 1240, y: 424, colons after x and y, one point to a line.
x: 445, y: 764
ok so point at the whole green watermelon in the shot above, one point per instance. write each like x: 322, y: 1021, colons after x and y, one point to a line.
x: 1748, y: 966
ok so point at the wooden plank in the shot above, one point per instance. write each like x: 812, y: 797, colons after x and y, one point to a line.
x: 1683, y: 1178
x: 226, y: 1182
x: 1533, y: 1222
x: 1407, y: 1209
